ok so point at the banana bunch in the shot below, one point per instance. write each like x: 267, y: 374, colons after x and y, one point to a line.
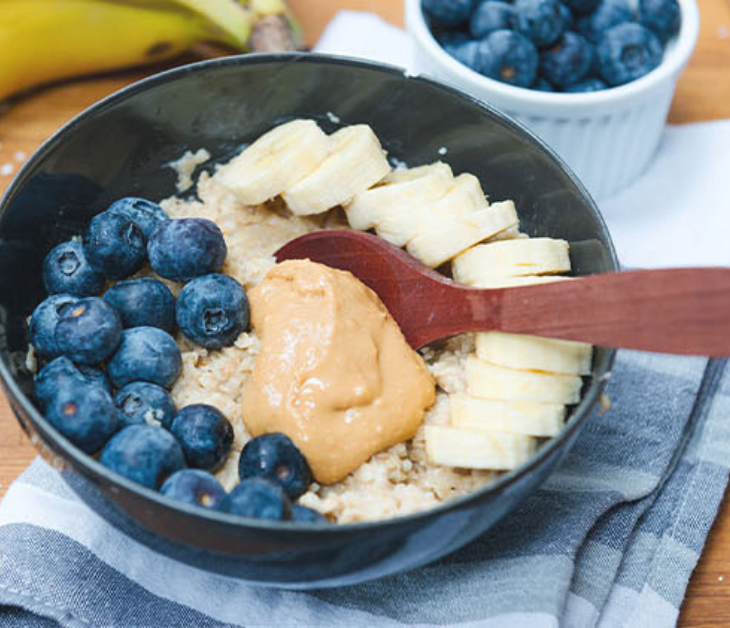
x: 48, y: 40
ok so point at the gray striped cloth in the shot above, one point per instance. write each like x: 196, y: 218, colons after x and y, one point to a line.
x: 610, y: 540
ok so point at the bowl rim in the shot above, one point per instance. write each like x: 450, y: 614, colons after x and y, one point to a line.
x: 676, y: 56
x: 86, y: 465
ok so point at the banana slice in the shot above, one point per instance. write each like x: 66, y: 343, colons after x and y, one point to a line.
x: 355, y: 163
x: 512, y: 258
x: 477, y: 449
x: 515, y: 282
x: 403, y: 195
x: 401, y: 175
x: 513, y: 233
x: 276, y: 161
x: 449, y: 239
x: 489, y: 381
x: 516, y: 417
x: 532, y: 353
x: 465, y: 197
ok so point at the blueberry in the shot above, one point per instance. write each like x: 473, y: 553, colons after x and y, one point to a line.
x: 448, y: 13
x: 587, y: 85
x: 83, y: 413
x: 115, y: 245
x: 489, y: 16
x: 195, y: 487
x: 146, y: 214
x: 57, y: 374
x: 568, y: 60
x: 95, y: 376
x: 276, y: 458
x: 608, y: 14
x: 43, y: 323
x: 509, y: 57
x: 449, y: 39
x: 582, y: 7
x: 147, y: 354
x: 466, y: 53
x: 89, y: 331
x: 66, y: 270
x: 258, y: 498
x: 567, y: 15
x: 541, y: 21
x: 143, y: 302
x: 143, y: 402
x: 543, y: 85
x: 212, y: 311
x: 628, y: 52
x: 204, y: 434
x: 60, y: 373
x: 662, y: 17
x: 307, y: 515
x: 187, y: 248
x: 144, y: 454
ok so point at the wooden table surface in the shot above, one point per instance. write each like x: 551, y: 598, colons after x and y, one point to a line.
x: 703, y: 94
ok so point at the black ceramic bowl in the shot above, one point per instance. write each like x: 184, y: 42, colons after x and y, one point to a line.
x: 120, y: 147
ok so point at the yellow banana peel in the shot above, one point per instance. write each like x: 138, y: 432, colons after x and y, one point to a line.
x: 49, y: 40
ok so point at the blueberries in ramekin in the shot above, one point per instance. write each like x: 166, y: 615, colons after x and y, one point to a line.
x: 204, y: 434
x: 144, y: 402
x: 146, y: 354
x: 626, y: 52
x: 564, y: 34
x: 195, y: 487
x: 144, y: 454
x: 83, y: 413
x: 66, y: 270
x: 212, y: 311
x: 143, y: 302
x: 186, y: 248
x: 146, y: 214
x: 115, y: 245
x: 258, y: 498
x: 276, y: 458
x: 43, y: 323
x: 89, y: 331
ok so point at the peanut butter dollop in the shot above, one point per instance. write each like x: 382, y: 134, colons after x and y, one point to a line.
x: 335, y: 373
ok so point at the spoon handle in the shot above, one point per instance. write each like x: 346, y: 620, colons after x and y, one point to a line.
x: 683, y: 311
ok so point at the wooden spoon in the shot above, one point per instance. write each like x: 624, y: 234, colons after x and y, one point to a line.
x: 683, y: 310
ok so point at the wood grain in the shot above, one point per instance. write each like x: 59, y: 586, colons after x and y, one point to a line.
x: 703, y: 94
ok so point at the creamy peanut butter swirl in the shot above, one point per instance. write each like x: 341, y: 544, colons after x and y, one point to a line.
x: 335, y: 373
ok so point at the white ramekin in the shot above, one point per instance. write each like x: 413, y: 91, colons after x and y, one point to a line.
x: 609, y: 137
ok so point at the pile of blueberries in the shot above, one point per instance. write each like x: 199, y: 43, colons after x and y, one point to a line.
x: 110, y: 360
x: 556, y: 45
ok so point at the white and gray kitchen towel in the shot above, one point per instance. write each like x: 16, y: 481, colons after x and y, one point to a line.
x: 610, y: 540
